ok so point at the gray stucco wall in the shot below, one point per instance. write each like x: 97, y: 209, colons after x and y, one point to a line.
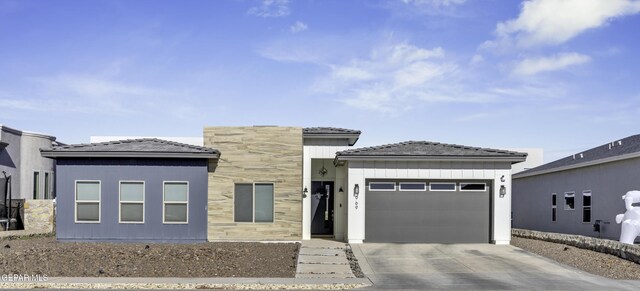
x: 608, y: 182
x: 31, y: 161
x: 153, y: 172
x: 10, y: 158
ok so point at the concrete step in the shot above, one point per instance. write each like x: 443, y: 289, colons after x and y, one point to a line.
x: 329, y: 276
x: 330, y: 260
x: 323, y: 269
x: 322, y: 252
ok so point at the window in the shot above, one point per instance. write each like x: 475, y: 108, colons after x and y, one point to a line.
x: 586, y: 206
x: 87, y: 201
x: 36, y: 185
x: 253, y: 202
x: 382, y: 186
x: 47, y: 185
x: 473, y: 187
x: 413, y: 186
x: 131, y: 202
x: 554, y: 207
x: 175, y: 200
x: 569, y: 201
x: 442, y: 186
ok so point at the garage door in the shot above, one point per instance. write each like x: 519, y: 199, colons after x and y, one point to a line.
x: 427, y: 211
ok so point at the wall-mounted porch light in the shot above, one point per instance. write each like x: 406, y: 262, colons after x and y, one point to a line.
x: 304, y: 192
x: 356, y: 192
x: 503, y: 191
x: 341, y: 191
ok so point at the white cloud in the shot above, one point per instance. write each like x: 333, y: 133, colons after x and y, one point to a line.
x: 299, y: 26
x: 271, y: 8
x: 553, y: 22
x: 397, y: 77
x: 532, y: 66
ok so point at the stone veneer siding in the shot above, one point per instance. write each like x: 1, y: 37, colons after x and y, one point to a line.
x: 38, y: 216
x: 252, y: 155
x: 612, y: 247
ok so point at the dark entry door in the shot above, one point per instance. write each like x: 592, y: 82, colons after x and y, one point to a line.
x: 322, y: 208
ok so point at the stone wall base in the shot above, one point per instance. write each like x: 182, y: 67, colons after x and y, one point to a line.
x: 625, y: 251
x: 39, y: 216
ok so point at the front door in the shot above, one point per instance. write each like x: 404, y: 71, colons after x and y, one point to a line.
x: 322, y: 208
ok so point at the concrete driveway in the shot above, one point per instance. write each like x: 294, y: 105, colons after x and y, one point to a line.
x: 472, y: 266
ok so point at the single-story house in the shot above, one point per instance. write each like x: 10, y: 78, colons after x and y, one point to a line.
x: 131, y: 190
x: 272, y: 183
x: 573, y: 193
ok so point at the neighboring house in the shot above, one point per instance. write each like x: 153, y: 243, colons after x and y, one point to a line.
x: 289, y: 183
x: 32, y: 175
x: 569, y: 195
x: 142, y: 189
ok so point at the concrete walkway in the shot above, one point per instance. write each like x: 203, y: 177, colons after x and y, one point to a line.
x: 323, y: 258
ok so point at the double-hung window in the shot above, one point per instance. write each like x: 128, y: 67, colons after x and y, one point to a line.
x: 87, y: 202
x: 253, y: 202
x: 131, y: 202
x: 554, y: 207
x: 586, y: 206
x: 175, y: 202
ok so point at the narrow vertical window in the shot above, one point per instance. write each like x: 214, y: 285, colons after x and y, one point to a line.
x: 47, y: 186
x: 175, y: 202
x: 554, y: 207
x: 87, y: 201
x: 586, y: 206
x: 36, y: 185
x: 131, y: 202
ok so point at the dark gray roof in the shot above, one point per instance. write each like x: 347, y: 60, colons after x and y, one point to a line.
x: 144, y: 147
x: 328, y: 130
x: 627, y: 145
x: 426, y: 149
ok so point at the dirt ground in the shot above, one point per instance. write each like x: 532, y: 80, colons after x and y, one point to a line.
x: 46, y: 256
x: 589, y: 261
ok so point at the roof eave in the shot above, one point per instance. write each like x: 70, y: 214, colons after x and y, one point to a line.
x: 513, y: 159
x: 60, y: 154
x: 579, y: 165
x: 352, y: 137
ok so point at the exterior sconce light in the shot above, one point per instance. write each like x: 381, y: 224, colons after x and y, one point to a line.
x: 304, y: 192
x: 503, y: 191
x: 341, y: 191
x: 502, y: 178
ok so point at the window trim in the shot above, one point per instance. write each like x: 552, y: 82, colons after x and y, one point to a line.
x: 554, y: 207
x: 164, y: 203
x: 569, y: 194
x: 473, y: 190
x: 589, y: 192
x: 75, y: 201
x: 395, y: 186
x: 455, y: 186
x: 253, y: 203
x: 412, y: 183
x: 120, y: 202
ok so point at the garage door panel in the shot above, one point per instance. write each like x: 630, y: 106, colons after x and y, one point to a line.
x: 427, y: 216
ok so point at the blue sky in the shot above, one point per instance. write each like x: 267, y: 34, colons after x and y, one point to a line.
x: 561, y: 75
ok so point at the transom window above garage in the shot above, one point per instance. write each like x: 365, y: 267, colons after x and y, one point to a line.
x: 473, y: 187
x: 382, y: 186
x: 412, y: 186
x: 442, y: 186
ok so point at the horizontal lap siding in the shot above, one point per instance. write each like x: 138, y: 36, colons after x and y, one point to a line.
x: 110, y: 172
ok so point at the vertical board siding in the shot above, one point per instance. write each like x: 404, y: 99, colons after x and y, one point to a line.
x: 110, y: 172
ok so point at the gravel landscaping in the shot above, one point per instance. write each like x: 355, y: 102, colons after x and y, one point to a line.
x: 353, y: 263
x: 589, y: 261
x: 46, y: 256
